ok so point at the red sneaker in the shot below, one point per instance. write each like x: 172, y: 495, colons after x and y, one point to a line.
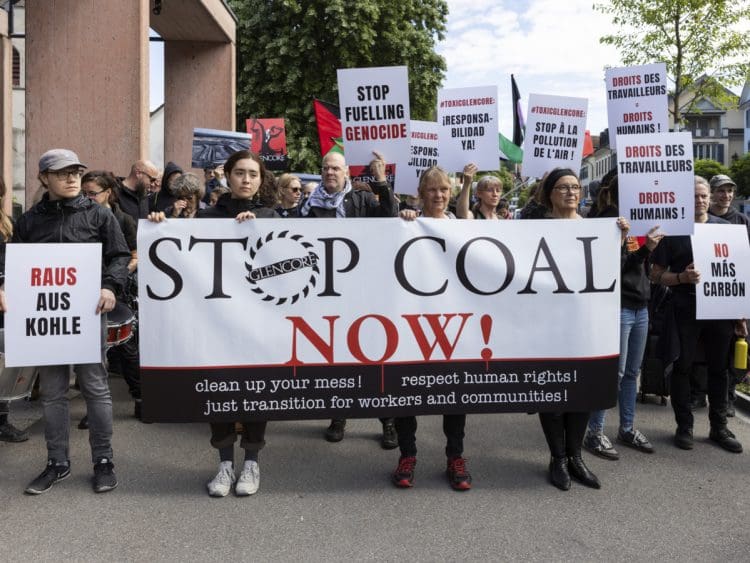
x: 403, y: 476
x: 458, y: 475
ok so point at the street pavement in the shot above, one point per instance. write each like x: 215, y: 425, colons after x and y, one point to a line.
x: 334, y: 502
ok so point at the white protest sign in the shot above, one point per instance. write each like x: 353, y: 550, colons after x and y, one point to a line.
x: 656, y: 182
x: 374, y: 107
x: 555, y: 129
x: 721, y: 253
x: 423, y: 153
x: 636, y: 100
x: 467, y: 118
x: 331, y: 317
x: 52, y: 292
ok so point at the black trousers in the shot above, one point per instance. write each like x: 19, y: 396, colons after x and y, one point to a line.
x: 564, y: 432
x: 717, y: 338
x: 453, y: 428
x: 223, y: 435
x: 126, y: 360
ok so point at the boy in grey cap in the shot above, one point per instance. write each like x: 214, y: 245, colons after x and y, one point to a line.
x: 65, y: 215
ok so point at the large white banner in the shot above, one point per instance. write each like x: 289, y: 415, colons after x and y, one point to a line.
x: 423, y: 153
x: 467, y: 118
x: 484, y: 316
x: 656, y: 182
x: 555, y: 129
x: 52, y: 292
x: 636, y: 100
x: 721, y: 254
x: 374, y: 107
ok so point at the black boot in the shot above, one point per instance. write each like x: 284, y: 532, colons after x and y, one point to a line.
x: 558, y: 473
x: 554, y: 432
x: 581, y: 473
x: 575, y: 430
x: 335, y: 431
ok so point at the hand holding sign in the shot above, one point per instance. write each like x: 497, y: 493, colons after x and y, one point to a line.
x: 377, y: 167
x: 690, y: 275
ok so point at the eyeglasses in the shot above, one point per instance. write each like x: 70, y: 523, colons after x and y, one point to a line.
x: 68, y: 172
x: 151, y: 178
x: 93, y: 194
x: 573, y: 188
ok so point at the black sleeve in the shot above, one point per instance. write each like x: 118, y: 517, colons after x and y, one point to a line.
x: 386, y: 207
x: 115, y: 253
x: 628, y: 260
x: 129, y: 231
x: 660, y: 255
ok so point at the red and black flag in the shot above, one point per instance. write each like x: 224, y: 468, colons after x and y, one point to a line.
x: 328, y: 119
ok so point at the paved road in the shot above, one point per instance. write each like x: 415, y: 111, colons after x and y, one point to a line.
x: 333, y: 502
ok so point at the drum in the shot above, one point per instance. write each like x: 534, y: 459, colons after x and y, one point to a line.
x: 119, y: 325
x: 15, y: 383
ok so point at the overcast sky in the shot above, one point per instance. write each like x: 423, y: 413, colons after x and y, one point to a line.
x: 551, y: 47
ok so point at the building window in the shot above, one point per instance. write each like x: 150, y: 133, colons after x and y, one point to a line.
x: 713, y: 151
x: 16, y: 68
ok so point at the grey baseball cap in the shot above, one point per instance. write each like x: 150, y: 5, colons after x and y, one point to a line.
x: 57, y: 159
x: 721, y: 180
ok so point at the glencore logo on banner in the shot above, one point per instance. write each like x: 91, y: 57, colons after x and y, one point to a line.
x: 284, y: 280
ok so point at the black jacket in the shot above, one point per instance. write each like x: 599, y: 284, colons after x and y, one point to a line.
x: 78, y: 219
x: 132, y: 204
x: 359, y: 203
x: 227, y: 207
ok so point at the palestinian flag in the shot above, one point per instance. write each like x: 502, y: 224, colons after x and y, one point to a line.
x: 329, y: 127
x: 512, y: 152
x: 519, y: 124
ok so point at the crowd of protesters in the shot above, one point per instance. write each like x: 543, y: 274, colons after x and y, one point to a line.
x: 97, y: 206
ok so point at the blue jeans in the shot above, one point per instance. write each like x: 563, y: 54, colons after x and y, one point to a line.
x: 633, y: 336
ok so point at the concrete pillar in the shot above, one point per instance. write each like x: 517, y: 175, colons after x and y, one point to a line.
x: 199, y: 91
x: 87, y: 82
x: 6, y: 116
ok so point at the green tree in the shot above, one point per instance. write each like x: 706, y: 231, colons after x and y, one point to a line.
x: 740, y: 173
x: 708, y: 168
x: 289, y: 51
x: 693, y: 37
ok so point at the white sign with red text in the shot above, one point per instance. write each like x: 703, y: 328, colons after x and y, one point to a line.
x: 555, y: 130
x: 376, y: 317
x: 721, y: 253
x: 52, y: 291
x: 467, y: 121
x: 423, y: 153
x: 636, y: 100
x: 270, y: 285
x: 656, y: 182
x: 374, y: 109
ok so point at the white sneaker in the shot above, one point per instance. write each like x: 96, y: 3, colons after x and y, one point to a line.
x: 249, y: 479
x: 220, y: 485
